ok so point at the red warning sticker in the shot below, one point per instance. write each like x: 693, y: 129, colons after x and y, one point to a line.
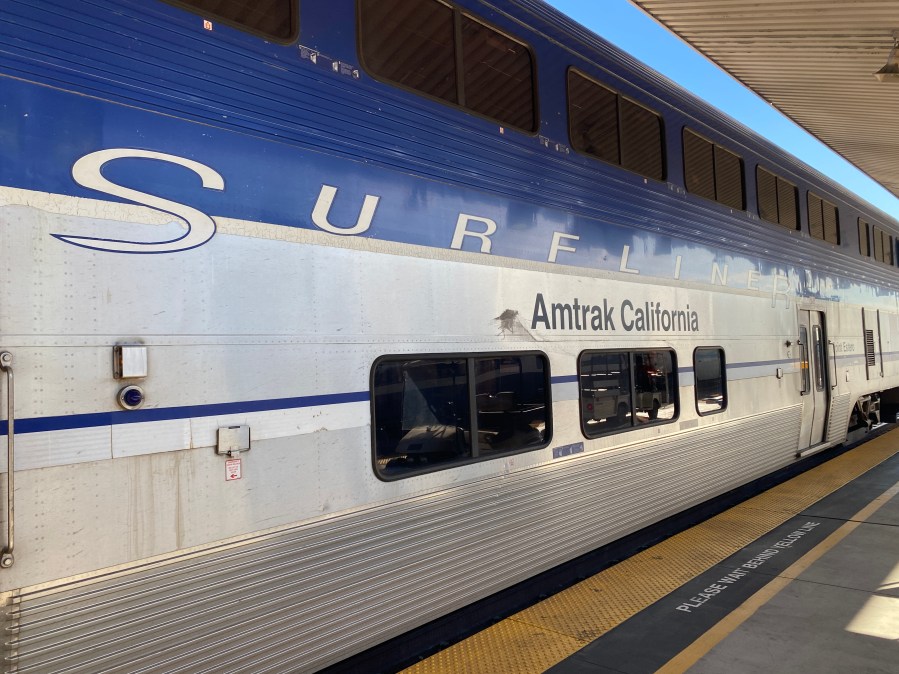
x: 232, y: 469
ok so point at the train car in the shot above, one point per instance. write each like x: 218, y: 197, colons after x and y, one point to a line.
x: 320, y: 320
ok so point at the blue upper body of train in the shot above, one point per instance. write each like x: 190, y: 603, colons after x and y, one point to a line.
x: 278, y: 120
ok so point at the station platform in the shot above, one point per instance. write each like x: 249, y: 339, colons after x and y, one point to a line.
x: 801, y: 578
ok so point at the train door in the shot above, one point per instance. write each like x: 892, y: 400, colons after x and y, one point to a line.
x: 814, y: 384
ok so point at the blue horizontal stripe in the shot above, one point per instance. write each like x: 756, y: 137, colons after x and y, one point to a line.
x: 564, y: 379
x: 689, y: 369
x: 97, y: 419
x: 783, y: 361
x: 71, y: 421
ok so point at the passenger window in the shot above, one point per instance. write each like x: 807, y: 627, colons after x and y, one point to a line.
x: 622, y: 390
x: 511, y: 401
x: 605, y: 386
x: 878, y: 244
x: 712, y: 171
x: 641, y: 140
x: 778, y: 200
x: 729, y: 179
x: 593, y: 118
x: 428, y: 410
x: 420, y: 43
x: 831, y: 223
x: 823, y: 220
x: 711, y: 382
x: 277, y: 20
x: 699, y: 166
x: 605, y: 125
x: 498, y: 74
x: 864, y: 247
x: 412, y: 43
x: 787, y: 204
x: 883, y: 246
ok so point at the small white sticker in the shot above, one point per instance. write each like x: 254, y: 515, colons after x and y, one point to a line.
x: 232, y: 470
x: 207, y: 24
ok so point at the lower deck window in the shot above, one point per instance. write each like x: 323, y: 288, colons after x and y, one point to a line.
x: 709, y: 374
x: 439, y: 411
x: 621, y: 390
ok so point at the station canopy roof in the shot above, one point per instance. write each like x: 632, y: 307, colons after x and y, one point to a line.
x: 814, y: 60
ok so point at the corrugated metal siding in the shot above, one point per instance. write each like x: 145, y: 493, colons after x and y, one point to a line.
x: 839, y: 418
x: 813, y: 60
x: 310, y: 596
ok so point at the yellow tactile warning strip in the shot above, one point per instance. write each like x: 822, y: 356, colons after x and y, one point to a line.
x: 539, y: 637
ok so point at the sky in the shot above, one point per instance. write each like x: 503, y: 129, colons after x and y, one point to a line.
x: 632, y: 30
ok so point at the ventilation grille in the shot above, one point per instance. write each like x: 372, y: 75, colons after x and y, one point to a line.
x: 838, y: 423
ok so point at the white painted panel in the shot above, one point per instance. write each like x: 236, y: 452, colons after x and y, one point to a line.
x: 565, y: 391
x: 150, y: 437
x: 282, y: 423
x: 57, y: 448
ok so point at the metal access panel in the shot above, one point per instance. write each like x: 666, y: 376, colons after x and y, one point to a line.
x: 129, y: 361
x: 233, y: 440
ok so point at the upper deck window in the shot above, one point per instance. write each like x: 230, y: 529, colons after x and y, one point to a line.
x: 276, y: 19
x: 883, y: 246
x: 608, y: 126
x: 778, y: 200
x: 497, y: 76
x: 823, y: 220
x: 437, y: 50
x: 864, y: 247
x: 712, y: 171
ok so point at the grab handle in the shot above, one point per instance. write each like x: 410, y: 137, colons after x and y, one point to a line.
x: 805, y: 377
x: 6, y: 556
x: 833, y: 348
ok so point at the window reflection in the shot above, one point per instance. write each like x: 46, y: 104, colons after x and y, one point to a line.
x: 624, y: 389
x: 709, y: 373
x: 423, y: 410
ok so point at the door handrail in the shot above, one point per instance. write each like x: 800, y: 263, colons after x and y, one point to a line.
x: 6, y: 555
x: 833, y: 348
